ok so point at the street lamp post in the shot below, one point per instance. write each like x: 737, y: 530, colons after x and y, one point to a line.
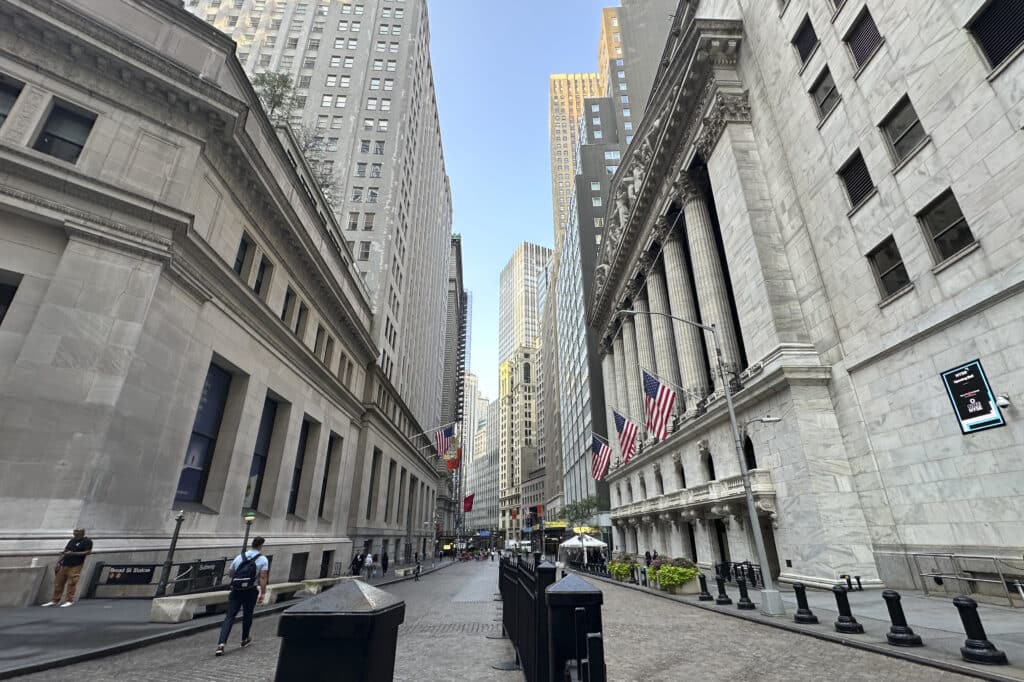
x: 165, y: 572
x: 771, y: 600
x: 250, y: 516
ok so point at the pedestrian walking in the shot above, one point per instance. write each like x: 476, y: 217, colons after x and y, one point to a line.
x: 416, y: 571
x: 69, y: 568
x: 248, y: 575
x: 384, y: 563
x: 368, y: 566
x: 647, y: 558
x: 654, y: 555
x: 357, y: 564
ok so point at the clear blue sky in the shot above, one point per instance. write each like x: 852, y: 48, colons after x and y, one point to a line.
x: 491, y: 64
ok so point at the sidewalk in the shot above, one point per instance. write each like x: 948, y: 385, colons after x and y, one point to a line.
x: 34, y: 638
x: 935, y: 619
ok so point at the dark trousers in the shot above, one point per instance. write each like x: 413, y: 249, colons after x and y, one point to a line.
x: 239, y: 599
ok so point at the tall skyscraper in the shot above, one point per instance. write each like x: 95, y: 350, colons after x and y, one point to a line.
x: 364, y: 89
x: 453, y: 388
x: 518, y: 309
x: 643, y: 26
x: 565, y: 106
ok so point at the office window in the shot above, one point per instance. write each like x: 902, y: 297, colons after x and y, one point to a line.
x: 335, y: 61
x: 8, y: 94
x: 346, y: 8
x: 368, y: 220
x: 824, y: 93
x: 356, y: 25
x: 611, y: 169
x: 364, y: 250
x: 291, y: 43
x: 326, y: 101
x: 300, y: 321
x: 357, y: 193
x: 254, y: 485
x: 300, y: 458
x: 399, y: 12
x: 243, y: 256
x: 595, y: 108
x: 319, y: 339
x: 392, y: 65
x: 359, y: 9
x: 263, y: 274
x: 392, y: 47
x: 857, y: 179
x: 375, y: 84
x: 332, y: 445
x: 947, y: 229
x: 625, y: 99
x: 596, y: 201
x: 381, y: 46
x: 348, y: 62
x: 382, y: 125
x: 389, y: 83
x: 599, y: 222
x: 361, y: 169
x: 806, y: 40
x: 623, y: 87
x: 999, y: 30
x: 371, y: 103
x: 364, y: 146
x: 612, y: 155
x: 396, y: 29
x: 863, y: 38
x: 384, y: 29
x: 345, y: 81
x: 598, y: 135
x: 372, y: 194
x: 386, y: 12
x: 332, y: 144
x: 353, y: 220
x: 595, y: 186
x: 887, y: 265
x: 378, y: 147
x: 313, y: 44
x: 626, y: 113
x: 378, y: 64
x: 65, y: 132
x: 321, y: 120
x: 304, y: 81
x: 332, y: 79
x: 340, y: 101
x: 368, y: 124
x: 339, y: 43
x: 385, y: 104
x: 264, y: 60
x: 903, y: 130
x: 205, y: 431
x: 309, y: 62
x: 9, y: 282
x: 353, y: 43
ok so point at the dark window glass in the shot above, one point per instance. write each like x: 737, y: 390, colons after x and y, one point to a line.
x: 903, y: 129
x: 999, y: 29
x: 300, y: 456
x: 289, y: 304
x: 8, y: 94
x: 805, y: 40
x: 371, y: 497
x: 65, y: 133
x: 7, y: 292
x: 888, y: 265
x: 300, y: 320
x: 243, y: 252
x: 198, y: 457
x: 857, y: 179
x: 863, y: 38
x: 825, y: 94
x: 259, y: 455
x: 947, y: 227
x: 331, y: 442
x: 261, y: 273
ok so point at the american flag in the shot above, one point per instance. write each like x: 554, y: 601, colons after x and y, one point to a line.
x: 659, y: 399
x: 443, y: 438
x: 602, y: 458
x: 627, y: 436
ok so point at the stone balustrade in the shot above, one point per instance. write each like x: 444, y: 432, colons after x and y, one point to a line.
x: 703, y: 498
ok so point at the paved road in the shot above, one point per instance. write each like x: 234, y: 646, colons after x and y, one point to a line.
x: 450, y: 613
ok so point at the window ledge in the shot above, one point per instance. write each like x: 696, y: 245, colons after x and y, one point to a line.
x: 913, y: 152
x: 898, y: 294
x: 867, y: 62
x: 828, y: 114
x: 860, y: 205
x: 783, y: 10
x: 956, y: 257
x: 997, y: 71
x: 195, y: 507
x: 839, y: 8
x: 803, y: 67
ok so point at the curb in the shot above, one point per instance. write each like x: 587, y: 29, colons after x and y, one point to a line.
x: 168, y: 636
x: 948, y: 666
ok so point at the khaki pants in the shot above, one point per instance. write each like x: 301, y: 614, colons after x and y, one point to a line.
x: 66, y: 575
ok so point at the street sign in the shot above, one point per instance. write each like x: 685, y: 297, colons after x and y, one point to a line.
x: 129, y: 575
x: 973, y: 403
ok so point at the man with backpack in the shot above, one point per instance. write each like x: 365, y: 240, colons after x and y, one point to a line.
x: 248, y: 575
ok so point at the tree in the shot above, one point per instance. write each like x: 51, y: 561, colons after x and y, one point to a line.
x: 277, y: 94
x: 578, y: 513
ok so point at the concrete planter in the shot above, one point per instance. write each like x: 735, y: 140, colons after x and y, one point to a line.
x: 689, y: 587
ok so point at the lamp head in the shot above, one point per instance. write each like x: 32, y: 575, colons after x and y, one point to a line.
x: 770, y: 420
x: 250, y: 517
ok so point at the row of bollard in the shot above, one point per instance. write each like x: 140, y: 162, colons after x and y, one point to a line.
x: 976, y: 649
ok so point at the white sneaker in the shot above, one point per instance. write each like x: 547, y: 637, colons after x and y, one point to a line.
x: 49, y: 603
x: 67, y: 604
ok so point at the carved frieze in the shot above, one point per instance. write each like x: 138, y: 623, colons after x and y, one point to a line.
x: 725, y: 108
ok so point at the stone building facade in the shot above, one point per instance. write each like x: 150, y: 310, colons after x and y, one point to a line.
x: 837, y: 191
x: 184, y: 327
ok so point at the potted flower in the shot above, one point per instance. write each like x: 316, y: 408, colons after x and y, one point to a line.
x: 679, y: 577
x: 652, y: 571
x: 621, y: 567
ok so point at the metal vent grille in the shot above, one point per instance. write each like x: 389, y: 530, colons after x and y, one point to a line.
x: 857, y: 179
x: 863, y: 38
x: 999, y: 29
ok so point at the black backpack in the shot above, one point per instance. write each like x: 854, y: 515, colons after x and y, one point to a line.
x: 245, y: 577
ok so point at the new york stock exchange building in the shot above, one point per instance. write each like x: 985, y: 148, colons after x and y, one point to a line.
x: 843, y: 203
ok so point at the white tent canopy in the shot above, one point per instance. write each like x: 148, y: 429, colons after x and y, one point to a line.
x: 581, y: 543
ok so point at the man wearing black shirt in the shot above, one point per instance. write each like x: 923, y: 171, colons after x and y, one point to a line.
x: 69, y: 568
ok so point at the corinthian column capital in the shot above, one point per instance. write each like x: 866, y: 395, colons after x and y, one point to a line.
x: 686, y: 189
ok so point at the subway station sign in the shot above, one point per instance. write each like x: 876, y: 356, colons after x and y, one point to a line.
x: 971, y: 395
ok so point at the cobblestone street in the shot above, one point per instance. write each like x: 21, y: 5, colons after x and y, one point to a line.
x: 450, y: 613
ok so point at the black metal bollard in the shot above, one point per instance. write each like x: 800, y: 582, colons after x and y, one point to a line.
x: 845, y: 623
x: 744, y: 603
x: 900, y: 634
x: 804, y: 615
x: 976, y: 648
x: 723, y: 598
x: 643, y: 576
x: 352, y: 627
x: 704, y: 594
x: 563, y: 598
x: 596, y: 670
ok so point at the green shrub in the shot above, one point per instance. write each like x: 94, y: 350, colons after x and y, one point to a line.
x: 619, y: 569
x: 683, y: 562
x: 670, y: 575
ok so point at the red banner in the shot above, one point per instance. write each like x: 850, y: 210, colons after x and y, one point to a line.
x: 467, y: 504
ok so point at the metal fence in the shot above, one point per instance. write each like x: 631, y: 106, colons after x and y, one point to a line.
x: 522, y: 582
x: 733, y: 570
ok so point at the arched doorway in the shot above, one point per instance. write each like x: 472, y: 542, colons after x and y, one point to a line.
x: 709, y: 466
x: 748, y: 454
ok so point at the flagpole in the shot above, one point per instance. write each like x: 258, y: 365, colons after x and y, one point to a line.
x: 429, y: 431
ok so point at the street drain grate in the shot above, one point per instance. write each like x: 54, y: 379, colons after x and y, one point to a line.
x: 448, y: 629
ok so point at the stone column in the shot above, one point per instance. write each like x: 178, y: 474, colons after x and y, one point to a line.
x: 644, y: 335
x: 621, y: 396
x: 708, y: 275
x: 632, y: 372
x: 682, y: 303
x: 610, y: 398
x: 661, y: 329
